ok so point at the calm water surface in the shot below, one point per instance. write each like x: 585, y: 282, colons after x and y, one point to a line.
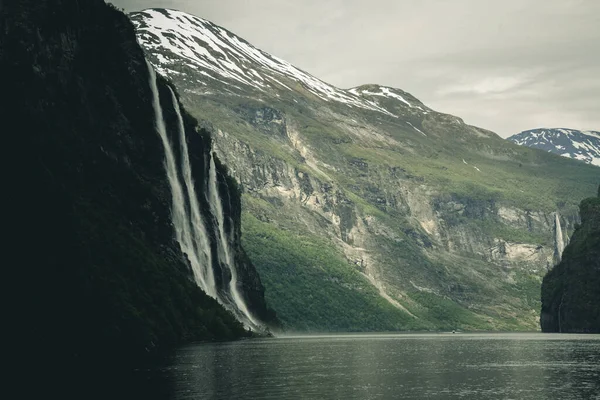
x: 410, y: 366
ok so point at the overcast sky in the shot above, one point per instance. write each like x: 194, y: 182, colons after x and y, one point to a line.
x: 504, y: 65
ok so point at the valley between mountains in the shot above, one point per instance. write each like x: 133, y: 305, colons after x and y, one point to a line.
x: 364, y: 209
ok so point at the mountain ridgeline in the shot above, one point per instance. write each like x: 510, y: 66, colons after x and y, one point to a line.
x: 363, y: 208
x: 571, y: 290
x: 119, y: 209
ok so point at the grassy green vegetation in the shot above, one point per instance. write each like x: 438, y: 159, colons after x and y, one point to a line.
x: 231, y: 122
x: 539, y: 183
x: 313, y: 287
x: 446, y: 313
x: 527, y: 288
x: 509, y: 233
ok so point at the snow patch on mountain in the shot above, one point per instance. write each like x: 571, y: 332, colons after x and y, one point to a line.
x: 416, y: 129
x: 579, y: 145
x: 385, y: 92
x: 388, y: 93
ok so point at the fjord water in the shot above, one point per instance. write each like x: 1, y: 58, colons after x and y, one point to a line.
x: 406, y: 366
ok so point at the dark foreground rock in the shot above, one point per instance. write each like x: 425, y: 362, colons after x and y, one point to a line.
x: 571, y: 290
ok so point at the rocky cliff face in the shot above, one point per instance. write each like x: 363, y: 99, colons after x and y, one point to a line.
x: 570, y: 291
x: 364, y: 208
x: 97, y: 273
x: 443, y: 220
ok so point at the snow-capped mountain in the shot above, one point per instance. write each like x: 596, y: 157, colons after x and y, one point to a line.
x: 181, y: 42
x: 571, y: 143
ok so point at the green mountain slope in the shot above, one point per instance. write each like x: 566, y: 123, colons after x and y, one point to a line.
x: 365, y: 209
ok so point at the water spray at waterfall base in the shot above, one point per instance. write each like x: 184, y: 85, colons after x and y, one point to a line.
x: 223, y: 243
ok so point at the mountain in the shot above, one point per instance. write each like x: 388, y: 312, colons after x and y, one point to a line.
x: 364, y: 209
x: 571, y: 290
x: 571, y: 143
x: 116, y: 201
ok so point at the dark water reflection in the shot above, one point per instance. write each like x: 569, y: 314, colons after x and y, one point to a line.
x: 442, y: 366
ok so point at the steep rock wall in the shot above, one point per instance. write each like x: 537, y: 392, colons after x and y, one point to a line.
x: 570, y: 291
x: 98, y: 274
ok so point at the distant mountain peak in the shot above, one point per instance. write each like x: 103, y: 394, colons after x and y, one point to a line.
x: 571, y: 143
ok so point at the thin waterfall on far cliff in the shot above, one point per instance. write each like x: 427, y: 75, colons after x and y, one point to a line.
x: 559, y: 243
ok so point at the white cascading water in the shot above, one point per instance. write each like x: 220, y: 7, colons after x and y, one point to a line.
x: 223, y: 244
x: 181, y: 221
x: 559, y: 243
x: 198, y: 229
x: 190, y: 229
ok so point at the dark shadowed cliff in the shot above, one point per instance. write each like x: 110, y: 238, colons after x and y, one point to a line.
x: 94, y: 270
x: 571, y: 291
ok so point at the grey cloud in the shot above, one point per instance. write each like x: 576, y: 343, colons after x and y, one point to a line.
x: 504, y: 65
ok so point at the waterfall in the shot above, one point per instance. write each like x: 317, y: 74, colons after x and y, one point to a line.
x: 198, y: 229
x: 559, y: 244
x: 223, y: 243
x: 181, y: 221
x: 190, y: 229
